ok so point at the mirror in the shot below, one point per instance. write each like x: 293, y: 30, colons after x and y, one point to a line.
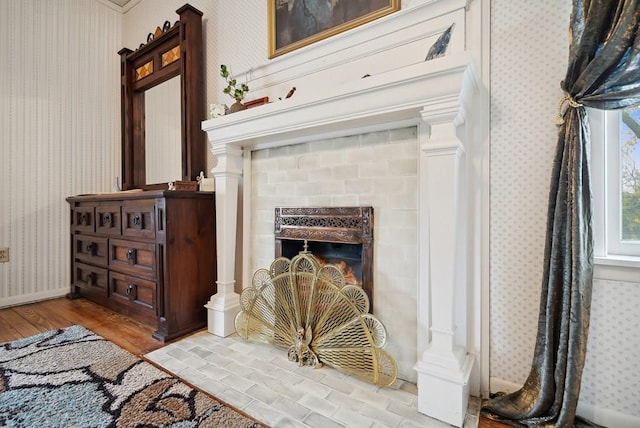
x: 170, y: 62
x: 163, y: 149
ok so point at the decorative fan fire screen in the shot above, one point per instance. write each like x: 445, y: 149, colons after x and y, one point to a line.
x: 306, y: 308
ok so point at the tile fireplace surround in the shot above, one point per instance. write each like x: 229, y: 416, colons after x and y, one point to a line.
x: 431, y: 105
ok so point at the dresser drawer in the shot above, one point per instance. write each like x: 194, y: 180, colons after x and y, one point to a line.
x: 108, y: 220
x: 137, y: 258
x: 91, y: 249
x: 91, y: 279
x: 139, y: 220
x: 135, y: 296
x: 83, y: 219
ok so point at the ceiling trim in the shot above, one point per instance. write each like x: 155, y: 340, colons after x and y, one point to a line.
x: 115, y: 4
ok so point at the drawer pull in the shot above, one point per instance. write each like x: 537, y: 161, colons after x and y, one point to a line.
x: 91, y: 279
x: 129, y: 289
x: 131, y: 256
x: 91, y: 248
x: 137, y: 220
x: 107, y: 219
x: 84, y: 217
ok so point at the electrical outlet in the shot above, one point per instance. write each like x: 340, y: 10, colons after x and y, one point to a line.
x: 4, y: 255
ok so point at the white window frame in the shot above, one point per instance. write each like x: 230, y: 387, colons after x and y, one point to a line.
x: 614, y: 260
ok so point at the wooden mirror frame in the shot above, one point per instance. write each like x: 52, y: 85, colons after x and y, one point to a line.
x: 150, y: 65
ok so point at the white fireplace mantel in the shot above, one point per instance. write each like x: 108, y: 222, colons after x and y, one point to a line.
x: 391, y: 99
x: 436, y: 96
x: 333, y: 100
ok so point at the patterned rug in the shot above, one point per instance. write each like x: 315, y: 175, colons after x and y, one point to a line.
x: 74, y: 378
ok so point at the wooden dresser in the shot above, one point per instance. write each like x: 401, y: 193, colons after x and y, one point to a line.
x: 149, y: 255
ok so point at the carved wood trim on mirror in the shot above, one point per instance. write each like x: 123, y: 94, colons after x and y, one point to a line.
x: 173, y: 51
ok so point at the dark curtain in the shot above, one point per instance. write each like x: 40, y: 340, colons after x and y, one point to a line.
x: 603, y: 73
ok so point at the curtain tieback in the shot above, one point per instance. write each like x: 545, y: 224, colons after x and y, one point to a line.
x: 565, y: 102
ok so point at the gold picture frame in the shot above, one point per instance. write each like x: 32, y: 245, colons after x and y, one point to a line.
x: 293, y: 24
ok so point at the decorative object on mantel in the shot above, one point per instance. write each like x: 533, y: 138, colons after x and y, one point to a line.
x: 439, y: 48
x: 116, y: 185
x: 289, y: 94
x: 234, y: 90
x: 257, y: 102
x: 293, y: 26
x: 237, y: 106
x: 307, y: 309
x: 217, y: 110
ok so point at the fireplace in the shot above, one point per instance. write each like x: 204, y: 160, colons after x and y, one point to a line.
x: 342, y: 236
x: 336, y: 115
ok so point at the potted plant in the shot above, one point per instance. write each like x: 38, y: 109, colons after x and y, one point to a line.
x: 234, y: 90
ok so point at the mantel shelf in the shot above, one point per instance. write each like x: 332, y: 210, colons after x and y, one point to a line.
x: 389, y: 100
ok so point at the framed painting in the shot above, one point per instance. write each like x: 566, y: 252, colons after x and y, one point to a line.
x: 293, y: 24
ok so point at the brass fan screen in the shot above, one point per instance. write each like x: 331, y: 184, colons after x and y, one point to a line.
x: 306, y: 308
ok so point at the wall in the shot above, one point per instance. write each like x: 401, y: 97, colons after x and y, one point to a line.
x: 59, y: 133
x: 529, y: 48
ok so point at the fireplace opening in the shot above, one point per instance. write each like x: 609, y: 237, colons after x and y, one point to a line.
x: 341, y: 236
x: 346, y: 257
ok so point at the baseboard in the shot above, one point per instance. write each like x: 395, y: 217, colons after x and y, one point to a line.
x: 33, y: 297
x: 599, y: 415
x: 501, y: 385
x: 608, y: 417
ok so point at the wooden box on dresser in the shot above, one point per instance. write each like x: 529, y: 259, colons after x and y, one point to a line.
x: 149, y: 255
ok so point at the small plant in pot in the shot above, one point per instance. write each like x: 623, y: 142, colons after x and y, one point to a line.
x: 234, y: 90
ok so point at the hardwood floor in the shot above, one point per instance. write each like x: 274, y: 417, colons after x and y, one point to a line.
x: 26, y: 320
x: 488, y: 423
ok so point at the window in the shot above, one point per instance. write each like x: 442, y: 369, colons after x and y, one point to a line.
x: 623, y: 178
x: 615, y: 161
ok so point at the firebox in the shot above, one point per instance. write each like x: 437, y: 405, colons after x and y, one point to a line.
x: 341, y: 236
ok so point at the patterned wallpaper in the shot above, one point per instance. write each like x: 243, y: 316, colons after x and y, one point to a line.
x: 529, y: 48
x: 59, y: 133
x: 611, y: 378
x: 528, y: 58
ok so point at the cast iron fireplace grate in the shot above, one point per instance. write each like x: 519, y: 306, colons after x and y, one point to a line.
x: 342, y: 236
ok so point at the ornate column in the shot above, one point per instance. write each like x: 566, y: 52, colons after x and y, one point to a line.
x: 443, y: 366
x: 225, y: 304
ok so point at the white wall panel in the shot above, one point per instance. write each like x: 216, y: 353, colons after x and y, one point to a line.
x: 59, y: 132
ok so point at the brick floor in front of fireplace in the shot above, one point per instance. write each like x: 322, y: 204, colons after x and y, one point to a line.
x: 259, y: 380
